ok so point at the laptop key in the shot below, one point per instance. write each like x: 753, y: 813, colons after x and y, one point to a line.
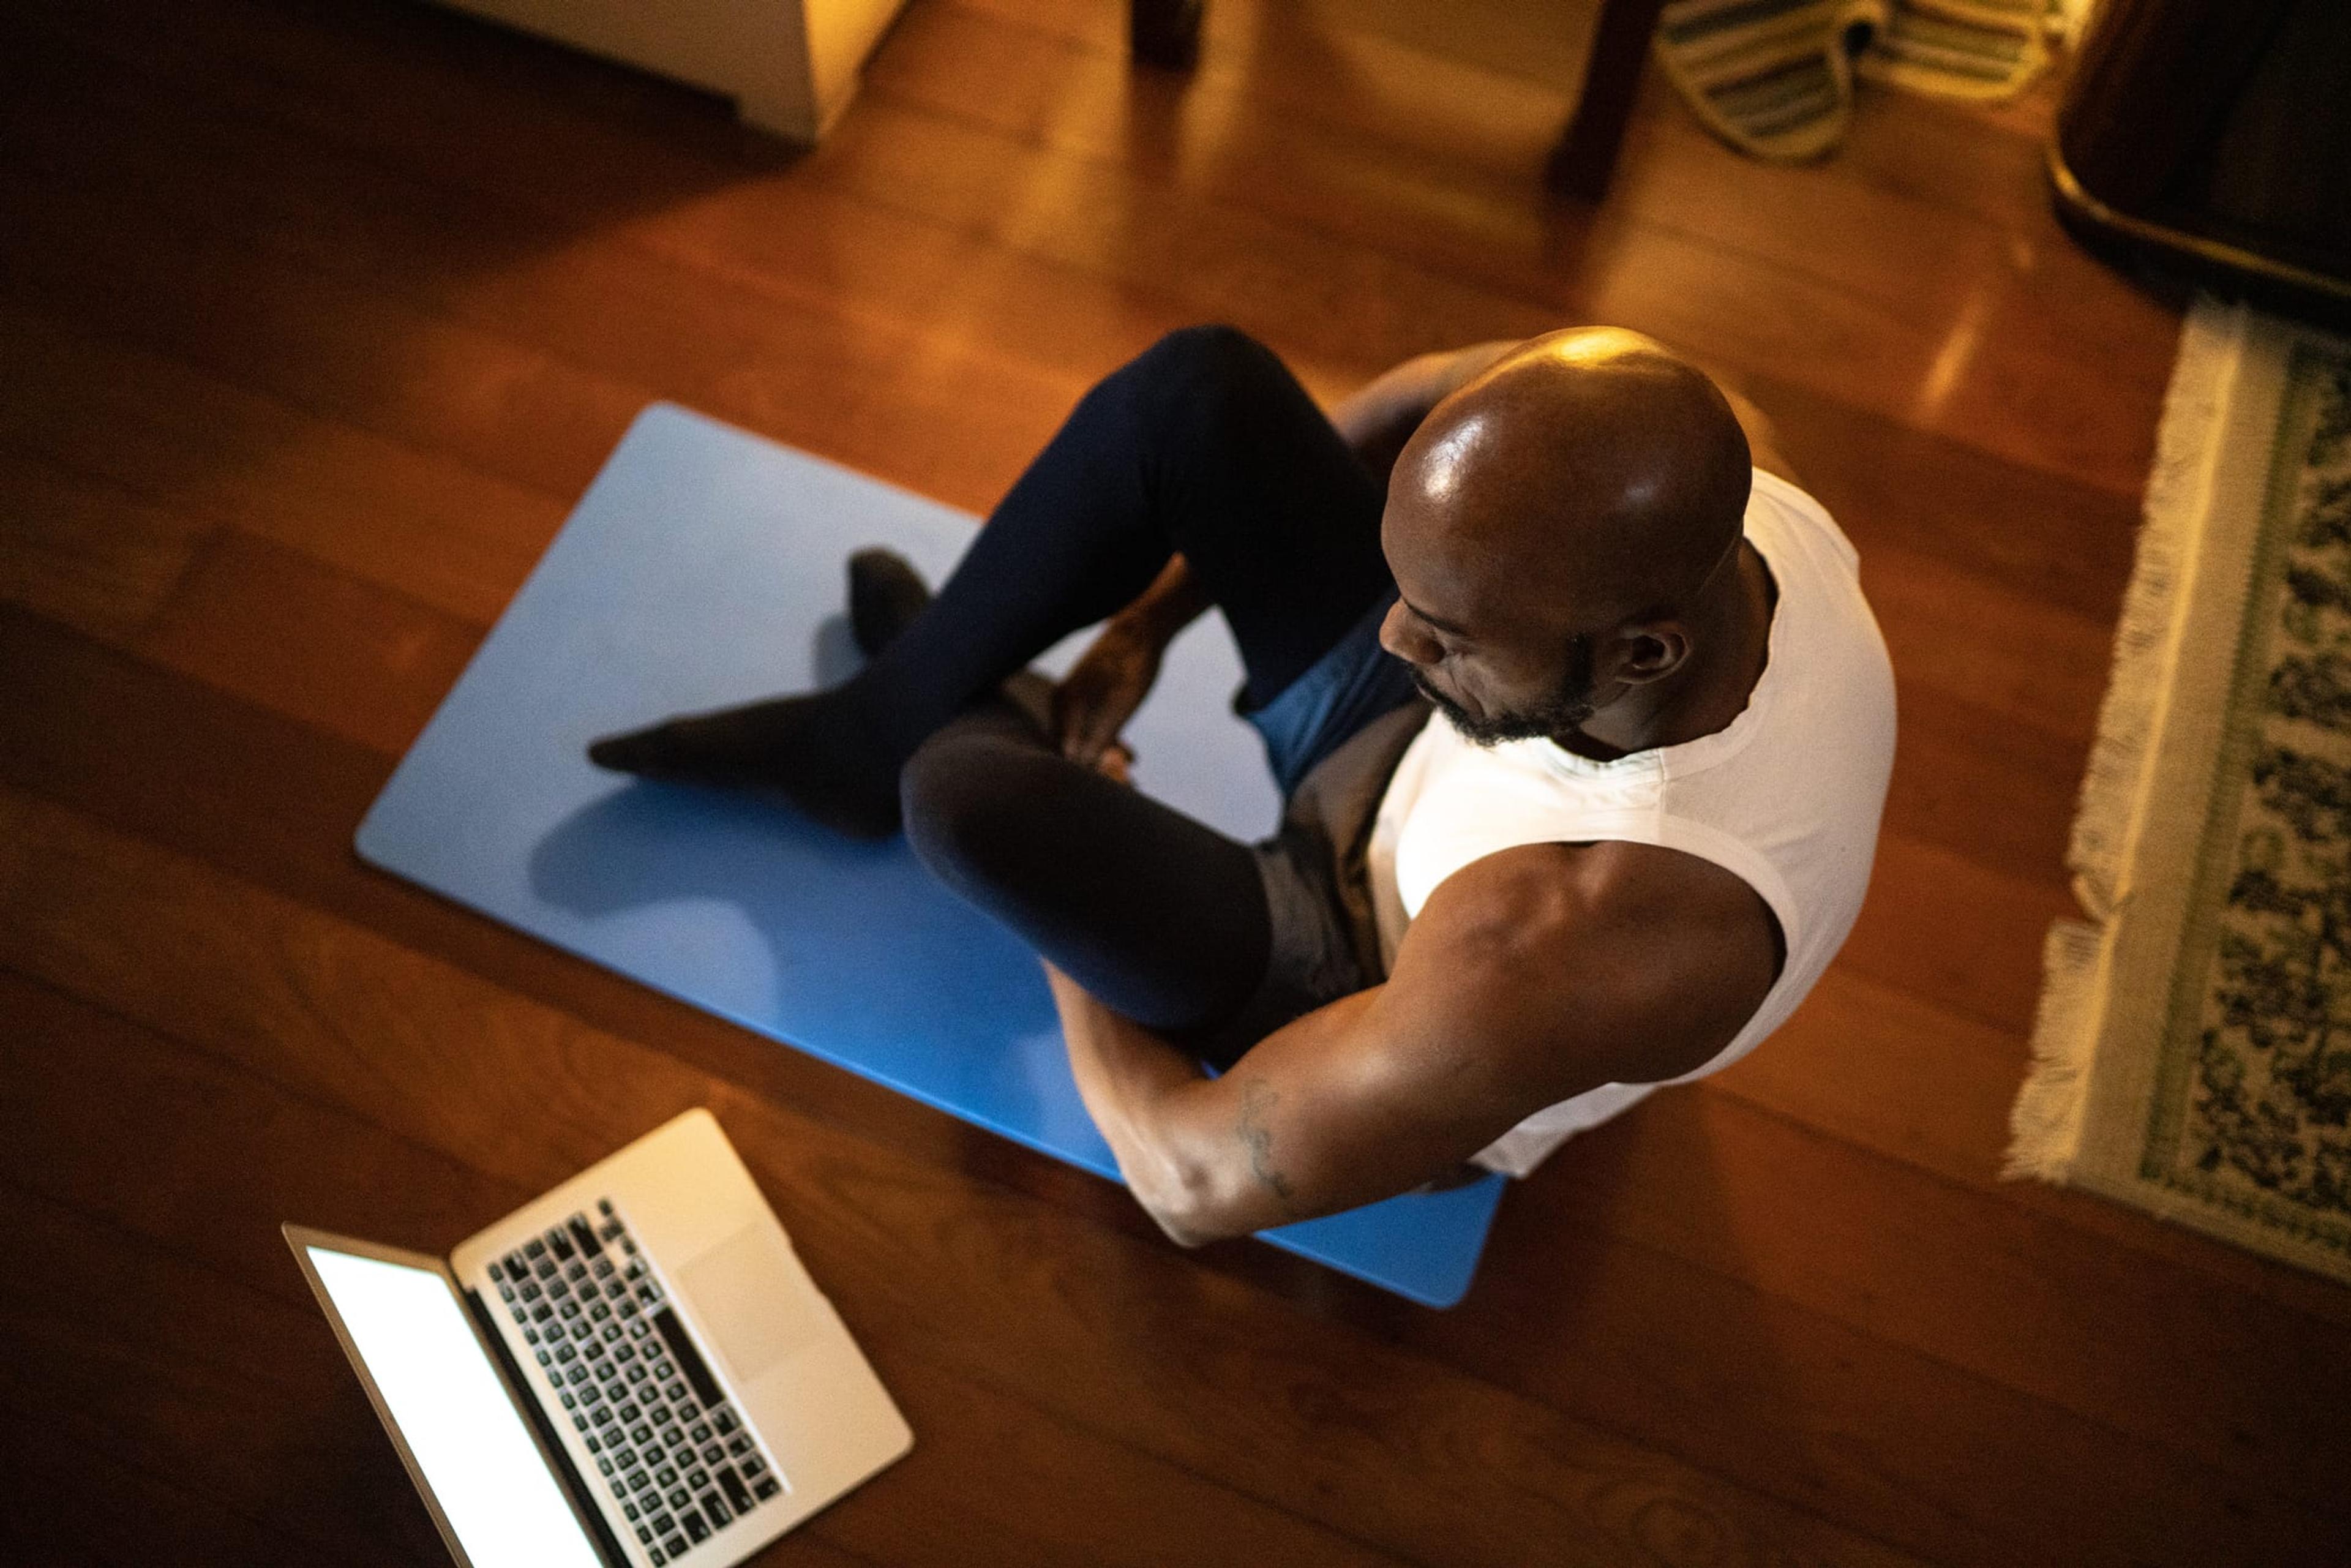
x: 720, y: 1514
x: 653, y: 1554
x: 639, y: 1481
x: 724, y: 1420
x: 697, y: 1478
x: 739, y: 1444
x: 675, y: 1545
x: 766, y: 1487
x: 713, y: 1454
x: 694, y: 1526
x: 737, y: 1493
x: 679, y: 1497
x: 559, y: 1243
x: 586, y: 1238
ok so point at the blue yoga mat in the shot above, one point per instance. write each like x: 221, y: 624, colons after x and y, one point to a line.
x: 704, y: 567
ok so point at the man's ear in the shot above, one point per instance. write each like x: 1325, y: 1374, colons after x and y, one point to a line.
x: 1650, y: 653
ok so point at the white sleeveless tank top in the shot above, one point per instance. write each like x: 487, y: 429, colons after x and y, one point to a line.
x: 1786, y: 797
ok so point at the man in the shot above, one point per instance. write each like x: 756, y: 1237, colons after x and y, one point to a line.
x: 1632, y: 836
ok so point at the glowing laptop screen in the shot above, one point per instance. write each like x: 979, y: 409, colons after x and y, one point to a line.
x: 493, y: 1485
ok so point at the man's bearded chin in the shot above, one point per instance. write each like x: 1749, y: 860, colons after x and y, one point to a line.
x: 1562, y: 713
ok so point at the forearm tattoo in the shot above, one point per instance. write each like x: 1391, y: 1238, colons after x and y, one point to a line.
x: 1258, y: 1100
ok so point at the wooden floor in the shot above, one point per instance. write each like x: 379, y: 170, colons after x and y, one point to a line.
x: 316, y: 315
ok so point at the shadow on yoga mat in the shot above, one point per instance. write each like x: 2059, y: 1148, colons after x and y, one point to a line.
x: 703, y: 568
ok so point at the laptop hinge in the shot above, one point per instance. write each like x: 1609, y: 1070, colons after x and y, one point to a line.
x: 584, y: 1501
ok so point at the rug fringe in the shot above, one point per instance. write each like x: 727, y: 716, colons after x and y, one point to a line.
x: 2044, y: 1127
x: 2046, y: 1121
x: 2146, y: 641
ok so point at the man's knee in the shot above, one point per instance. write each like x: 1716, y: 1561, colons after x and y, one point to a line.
x: 1205, y: 377
x: 971, y: 805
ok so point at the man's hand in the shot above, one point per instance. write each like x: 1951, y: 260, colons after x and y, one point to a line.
x: 1101, y: 693
x: 1108, y: 683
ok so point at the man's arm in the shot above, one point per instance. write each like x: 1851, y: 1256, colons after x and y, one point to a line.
x: 1530, y: 976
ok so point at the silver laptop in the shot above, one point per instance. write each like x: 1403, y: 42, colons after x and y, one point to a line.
x: 635, y: 1369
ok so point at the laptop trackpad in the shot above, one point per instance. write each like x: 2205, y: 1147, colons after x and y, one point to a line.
x: 754, y: 1299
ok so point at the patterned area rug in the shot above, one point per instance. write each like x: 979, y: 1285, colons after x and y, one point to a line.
x: 2193, y: 1054
x: 1775, y: 77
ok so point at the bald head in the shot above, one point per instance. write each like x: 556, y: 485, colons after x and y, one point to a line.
x: 1564, y: 518
x: 1593, y: 460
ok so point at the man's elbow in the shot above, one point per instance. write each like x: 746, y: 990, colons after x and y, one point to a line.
x: 1192, y: 1206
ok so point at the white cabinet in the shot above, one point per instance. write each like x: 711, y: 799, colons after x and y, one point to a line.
x: 791, y: 66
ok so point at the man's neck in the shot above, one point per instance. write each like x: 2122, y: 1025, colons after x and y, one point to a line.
x: 1732, y: 634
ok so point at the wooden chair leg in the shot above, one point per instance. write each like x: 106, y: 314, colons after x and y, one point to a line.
x: 1585, y: 158
x: 1165, y: 33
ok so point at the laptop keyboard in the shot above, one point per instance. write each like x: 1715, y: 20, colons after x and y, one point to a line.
x: 665, y: 1438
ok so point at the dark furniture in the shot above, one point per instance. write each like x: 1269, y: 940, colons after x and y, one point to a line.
x: 1166, y: 32
x: 2215, y: 136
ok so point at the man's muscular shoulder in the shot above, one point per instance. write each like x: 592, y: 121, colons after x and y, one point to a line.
x: 1563, y: 967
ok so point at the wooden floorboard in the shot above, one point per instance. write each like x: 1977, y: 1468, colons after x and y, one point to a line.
x: 313, y: 325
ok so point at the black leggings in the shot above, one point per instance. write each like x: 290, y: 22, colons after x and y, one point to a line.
x: 1207, y: 446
